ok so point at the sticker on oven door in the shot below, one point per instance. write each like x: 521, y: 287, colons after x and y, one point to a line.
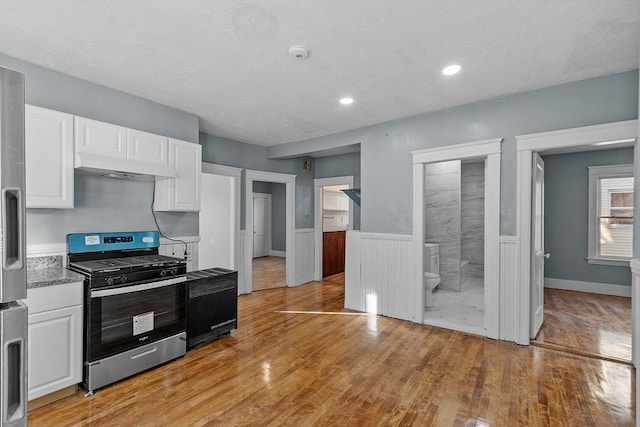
x: 91, y: 240
x: 142, y: 323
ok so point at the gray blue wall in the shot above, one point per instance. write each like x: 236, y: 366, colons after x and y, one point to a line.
x: 387, y: 175
x: 566, y: 216
x: 341, y: 165
x: 106, y: 203
x: 228, y: 152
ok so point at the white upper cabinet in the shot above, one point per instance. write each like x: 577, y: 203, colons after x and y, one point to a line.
x: 181, y: 193
x: 100, y: 138
x: 48, y: 158
x: 147, y: 147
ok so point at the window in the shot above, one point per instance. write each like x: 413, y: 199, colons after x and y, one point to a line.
x: 610, y: 214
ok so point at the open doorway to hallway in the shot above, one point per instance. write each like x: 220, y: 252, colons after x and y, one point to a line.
x: 269, y: 235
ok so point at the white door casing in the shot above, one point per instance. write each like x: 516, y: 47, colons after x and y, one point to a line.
x: 317, y: 195
x: 491, y: 150
x: 261, y: 224
x: 569, y: 139
x: 537, y: 248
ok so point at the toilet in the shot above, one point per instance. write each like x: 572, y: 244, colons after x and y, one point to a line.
x: 432, y: 272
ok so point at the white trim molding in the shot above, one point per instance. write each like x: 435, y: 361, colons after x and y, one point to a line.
x: 491, y: 150
x: 596, y: 173
x: 317, y: 198
x: 221, y: 170
x: 279, y: 254
x: 468, y: 150
x: 635, y: 314
x: 290, y: 181
x: 526, y: 145
x: 590, y: 287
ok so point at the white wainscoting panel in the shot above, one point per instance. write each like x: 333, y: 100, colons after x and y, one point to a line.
x: 175, y: 247
x: 243, y: 287
x: 635, y: 316
x: 305, y: 255
x: 387, y: 275
x: 353, y: 289
x: 508, y: 282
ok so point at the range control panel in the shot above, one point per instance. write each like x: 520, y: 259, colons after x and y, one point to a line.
x: 98, y: 242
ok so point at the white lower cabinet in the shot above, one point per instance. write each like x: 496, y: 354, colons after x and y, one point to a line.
x: 55, y: 338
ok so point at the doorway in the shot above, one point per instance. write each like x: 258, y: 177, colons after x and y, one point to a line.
x: 568, y: 140
x: 248, y: 251
x: 488, y: 151
x: 335, y: 208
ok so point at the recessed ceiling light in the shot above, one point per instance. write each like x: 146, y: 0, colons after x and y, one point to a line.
x: 346, y: 100
x: 451, y: 70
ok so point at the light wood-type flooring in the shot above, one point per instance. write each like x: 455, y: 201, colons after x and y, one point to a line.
x: 269, y: 272
x: 299, y: 359
x: 588, y: 324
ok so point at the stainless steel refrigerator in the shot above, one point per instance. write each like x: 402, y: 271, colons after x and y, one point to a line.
x: 13, y: 271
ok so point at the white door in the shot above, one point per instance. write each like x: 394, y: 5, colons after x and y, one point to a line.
x: 261, y: 224
x: 537, y: 245
x: 216, y: 221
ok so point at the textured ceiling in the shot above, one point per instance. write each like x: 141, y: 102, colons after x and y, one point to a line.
x: 228, y: 63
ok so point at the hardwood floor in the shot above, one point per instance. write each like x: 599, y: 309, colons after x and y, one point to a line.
x: 269, y: 272
x: 587, y: 324
x: 299, y: 359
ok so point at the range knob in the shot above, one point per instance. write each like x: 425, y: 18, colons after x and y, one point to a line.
x: 123, y: 278
x: 109, y: 280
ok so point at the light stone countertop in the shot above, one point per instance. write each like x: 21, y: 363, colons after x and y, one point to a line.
x: 48, y: 271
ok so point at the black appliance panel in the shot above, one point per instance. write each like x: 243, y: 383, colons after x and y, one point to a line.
x: 212, y: 304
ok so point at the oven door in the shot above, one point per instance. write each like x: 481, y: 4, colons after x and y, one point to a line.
x: 122, y: 318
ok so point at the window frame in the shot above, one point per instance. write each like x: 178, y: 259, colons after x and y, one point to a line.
x: 596, y: 173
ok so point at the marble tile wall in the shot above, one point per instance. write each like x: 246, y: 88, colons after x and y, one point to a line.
x: 472, y: 216
x: 442, y: 218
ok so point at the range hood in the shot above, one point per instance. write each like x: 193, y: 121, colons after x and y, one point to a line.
x: 95, y: 164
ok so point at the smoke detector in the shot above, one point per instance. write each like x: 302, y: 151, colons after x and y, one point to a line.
x: 298, y: 52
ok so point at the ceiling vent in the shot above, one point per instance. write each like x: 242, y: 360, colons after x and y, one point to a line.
x: 298, y: 52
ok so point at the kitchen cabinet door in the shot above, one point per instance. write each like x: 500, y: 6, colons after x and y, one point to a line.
x: 55, y: 350
x: 181, y: 193
x: 48, y: 158
x: 147, y: 147
x: 104, y: 139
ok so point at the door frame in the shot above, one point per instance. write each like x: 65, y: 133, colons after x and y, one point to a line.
x: 290, y: 195
x: 235, y: 174
x: 526, y: 145
x: 317, y: 215
x: 490, y: 150
x: 269, y: 220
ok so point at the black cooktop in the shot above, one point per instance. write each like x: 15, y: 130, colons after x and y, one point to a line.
x: 124, y: 263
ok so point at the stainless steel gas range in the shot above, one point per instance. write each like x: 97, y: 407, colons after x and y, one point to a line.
x: 134, y: 313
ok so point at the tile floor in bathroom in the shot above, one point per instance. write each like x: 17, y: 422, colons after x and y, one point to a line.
x: 464, y: 309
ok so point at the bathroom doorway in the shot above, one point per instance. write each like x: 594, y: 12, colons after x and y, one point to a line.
x: 454, y: 243
x: 464, y: 303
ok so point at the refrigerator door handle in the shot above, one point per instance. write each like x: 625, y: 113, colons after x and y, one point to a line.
x: 12, y: 224
x: 13, y: 404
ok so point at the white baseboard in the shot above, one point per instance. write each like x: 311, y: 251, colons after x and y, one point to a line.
x: 591, y: 287
x: 281, y: 254
x: 455, y: 326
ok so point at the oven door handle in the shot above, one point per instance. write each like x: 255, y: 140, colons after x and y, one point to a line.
x: 135, y: 288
